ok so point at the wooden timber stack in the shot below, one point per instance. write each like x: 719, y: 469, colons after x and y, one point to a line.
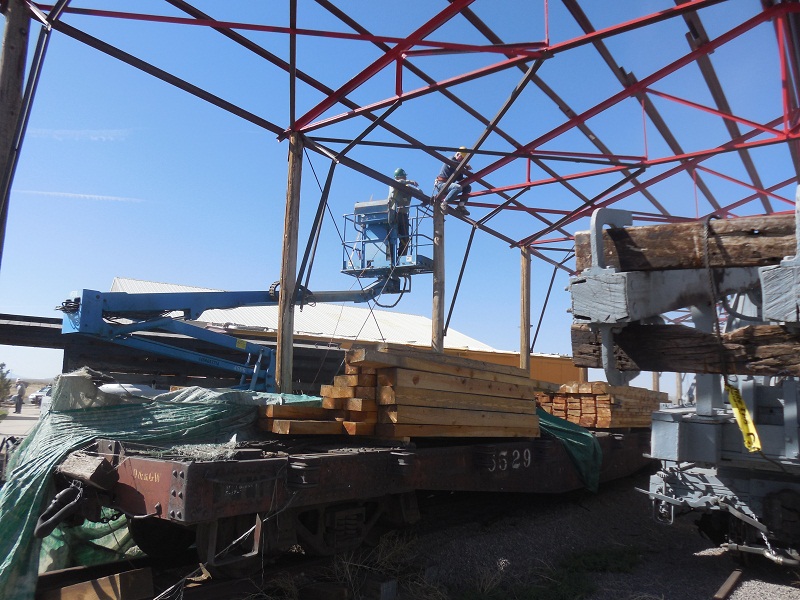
x: 599, y: 405
x: 729, y: 243
x: 402, y: 393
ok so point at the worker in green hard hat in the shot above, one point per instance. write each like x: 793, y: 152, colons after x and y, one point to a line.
x: 399, y: 202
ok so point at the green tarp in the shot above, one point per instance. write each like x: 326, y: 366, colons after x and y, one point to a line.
x: 581, y: 445
x: 191, y: 416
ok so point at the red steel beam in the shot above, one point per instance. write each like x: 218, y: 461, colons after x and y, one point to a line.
x: 689, y: 164
x: 388, y: 58
x: 752, y: 197
x: 708, y: 109
x: 743, y: 184
x: 532, y: 49
x: 637, y: 87
x: 497, y: 67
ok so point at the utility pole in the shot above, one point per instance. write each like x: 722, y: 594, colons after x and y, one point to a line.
x: 437, y: 335
x: 12, y: 77
x: 288, y: 281
x: 525, y: 310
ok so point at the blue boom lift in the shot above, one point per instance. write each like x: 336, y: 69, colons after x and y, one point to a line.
x: 371, y: 252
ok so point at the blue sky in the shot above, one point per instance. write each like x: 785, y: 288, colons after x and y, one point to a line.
x: 124, y: 175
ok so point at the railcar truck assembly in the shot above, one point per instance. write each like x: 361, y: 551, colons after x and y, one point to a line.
x: 732, y: 454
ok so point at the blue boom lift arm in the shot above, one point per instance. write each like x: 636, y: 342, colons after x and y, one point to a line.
x: 117, y: 316
x: 378, y: 250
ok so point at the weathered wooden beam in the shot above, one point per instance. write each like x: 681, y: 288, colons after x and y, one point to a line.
x: 288, y: 281
x: 751, y: 350
x: 741, y: 242
x: 525, y: 310
x: 91, y: 469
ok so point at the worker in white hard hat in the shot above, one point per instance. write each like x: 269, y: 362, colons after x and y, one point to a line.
x: 21, y: 386
x: 455, y: 189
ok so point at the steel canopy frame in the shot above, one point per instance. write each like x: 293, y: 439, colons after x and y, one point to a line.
x: 618, y: 174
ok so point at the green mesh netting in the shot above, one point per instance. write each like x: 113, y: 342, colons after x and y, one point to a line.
x: 190, y: 416
x: 583, y: 448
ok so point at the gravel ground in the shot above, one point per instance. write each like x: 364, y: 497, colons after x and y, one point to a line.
x: 516, y: 535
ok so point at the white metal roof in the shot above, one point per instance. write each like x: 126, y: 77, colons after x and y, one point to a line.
x: 324, y: 321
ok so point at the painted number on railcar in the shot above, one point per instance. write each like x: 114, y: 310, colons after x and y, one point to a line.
x: 510, y: 460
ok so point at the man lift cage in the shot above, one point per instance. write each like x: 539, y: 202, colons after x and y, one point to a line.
x: 375, y: 247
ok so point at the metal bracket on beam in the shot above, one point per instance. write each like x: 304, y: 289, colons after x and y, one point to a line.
x: 600, y: 218
x: 780, y: 284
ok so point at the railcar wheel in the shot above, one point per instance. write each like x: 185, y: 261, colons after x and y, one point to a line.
x: 326, y: 530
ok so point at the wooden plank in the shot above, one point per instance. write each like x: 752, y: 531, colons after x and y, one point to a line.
x: 423, y: 415
x: 447, y: 365
x: 287, y: 411
x: 333, y: 403
x: 367, y: 416
x: 345, y: 380
x: 365, y: 404
x: 365, y: 380
x: 130, y: 585
x: 332, y: 391
x: 741, y: 242
x: 359, y: 428
x: 451, y: 383
x: 751, y: 350
x: 397, y: 430
x: 291, y: 427
x: 417, y: 397
x: 351, y: 369
x: 367, y: 393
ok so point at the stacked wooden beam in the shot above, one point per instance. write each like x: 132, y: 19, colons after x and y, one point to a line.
x: 720, y: 244
x: 602, y: 406
x: 402, y: 393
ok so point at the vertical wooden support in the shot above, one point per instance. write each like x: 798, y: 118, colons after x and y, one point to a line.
x: 288, y: 281
x: 678, y: 388
x: 525, y: 309
x: 583, y: 375
x: 12, y: 77
x: 437, y: 335
x: 656, y: 381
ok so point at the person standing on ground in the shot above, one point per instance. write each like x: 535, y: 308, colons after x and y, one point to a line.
x: 455, y: 188
x: 21, y: 387
x: 399, y: 203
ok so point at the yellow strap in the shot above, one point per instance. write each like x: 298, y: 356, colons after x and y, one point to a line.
x: 744, y: 419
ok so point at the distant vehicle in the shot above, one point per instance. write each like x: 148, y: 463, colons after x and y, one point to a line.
x: 37, y: 396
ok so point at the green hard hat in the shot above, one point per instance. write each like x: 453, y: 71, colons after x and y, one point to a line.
x: 399, y: 172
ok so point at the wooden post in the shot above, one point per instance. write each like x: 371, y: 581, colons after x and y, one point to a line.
x: 678, y: 388
x: 12, y: 77
x: 656, y: 381
x: 525, y: 310
x: 288, y: 281
x: 583, y: 375
x: 437, y: 335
